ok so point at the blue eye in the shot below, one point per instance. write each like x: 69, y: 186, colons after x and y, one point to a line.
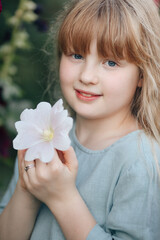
x: 111, y: 63
x: 77, y: 56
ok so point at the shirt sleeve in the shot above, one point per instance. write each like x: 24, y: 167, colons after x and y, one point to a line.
x: 10, y: 190
x: 135, y: 213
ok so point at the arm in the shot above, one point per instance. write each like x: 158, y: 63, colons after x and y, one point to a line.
x: 17, y: 219
x: 73, y: 216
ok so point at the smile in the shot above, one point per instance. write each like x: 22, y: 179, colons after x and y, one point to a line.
x: 86, y: 96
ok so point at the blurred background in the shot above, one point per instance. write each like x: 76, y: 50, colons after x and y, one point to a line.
x: 24, y: 68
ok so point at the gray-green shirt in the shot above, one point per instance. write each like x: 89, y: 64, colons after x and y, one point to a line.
x: 120, y: 187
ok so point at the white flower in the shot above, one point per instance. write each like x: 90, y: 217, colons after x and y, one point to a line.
x: 42, y: 130
x: 29, y: 5
x: 30, y: 16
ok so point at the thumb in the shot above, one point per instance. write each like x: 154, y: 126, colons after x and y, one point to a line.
x: 70, y: 159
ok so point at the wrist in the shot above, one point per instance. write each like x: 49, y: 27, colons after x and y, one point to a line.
x: 27, y: 196
x: 63, y: 203
x: 79, y: 218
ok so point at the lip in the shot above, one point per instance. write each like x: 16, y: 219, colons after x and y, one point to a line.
x: 86, y: 96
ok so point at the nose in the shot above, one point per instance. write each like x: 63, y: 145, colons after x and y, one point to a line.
x: 89, y: 74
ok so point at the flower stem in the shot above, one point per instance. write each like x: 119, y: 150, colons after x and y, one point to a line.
x: 8, y: 58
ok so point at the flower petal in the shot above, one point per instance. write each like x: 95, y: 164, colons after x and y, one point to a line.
x: 61, y: 142
x: 28, y: 115
x: 65, y: 126
x: 58, y: 118
x: 26, y: 126
x: 28, y: 135
x: 58, y: 106
x: 43, y: 151
x: 44, y: 114
x: 39, y: 116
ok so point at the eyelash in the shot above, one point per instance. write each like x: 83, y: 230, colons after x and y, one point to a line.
x: 113, y: 64
x: 80, y: 57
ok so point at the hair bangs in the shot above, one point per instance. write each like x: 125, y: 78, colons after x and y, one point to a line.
x: 110, y: 24
x: 120, y: 36
x: 76, y: 39
x: 77, y: 31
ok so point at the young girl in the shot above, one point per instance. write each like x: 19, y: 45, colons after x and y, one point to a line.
x: 106, y: 186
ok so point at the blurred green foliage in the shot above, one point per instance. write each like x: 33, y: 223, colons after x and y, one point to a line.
x: 24, y: 27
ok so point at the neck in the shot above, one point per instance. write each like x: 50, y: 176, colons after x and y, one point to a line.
x: 99, y: 133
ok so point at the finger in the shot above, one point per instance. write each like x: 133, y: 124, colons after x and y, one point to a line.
x: 26, y: 180
x: 61, y: 156
x: 29, y: 174
x: 40, y: 167
x: 29, y: 167
x: 70, y: 159
x: 21, y: 166
x: 56, y: 162
x: 21, y: 154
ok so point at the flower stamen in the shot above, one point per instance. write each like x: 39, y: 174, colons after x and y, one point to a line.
x: 48, y: 135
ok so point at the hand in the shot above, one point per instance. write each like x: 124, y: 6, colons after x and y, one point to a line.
x: 21, y: 185
x: 21, y: 166
x: 53, y: 181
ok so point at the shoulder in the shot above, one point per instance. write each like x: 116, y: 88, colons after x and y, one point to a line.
x: 137, y: 153
x: 136, y: 194
x: 138, y: 174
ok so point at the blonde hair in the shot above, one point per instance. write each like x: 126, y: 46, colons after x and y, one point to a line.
x: 127, y: 29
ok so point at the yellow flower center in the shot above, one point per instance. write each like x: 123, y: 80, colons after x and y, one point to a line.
x: 48, y: 134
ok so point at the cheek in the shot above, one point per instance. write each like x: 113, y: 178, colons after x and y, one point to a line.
x: 120, y: 87
x: 62, y: 72
x: 113, y: 87
x: 65, y: 74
